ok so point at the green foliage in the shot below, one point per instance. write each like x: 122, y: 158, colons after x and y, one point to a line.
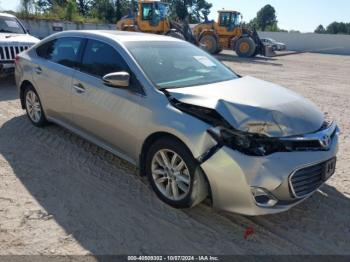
x: 84, y: 7
x: 272, y: 28
x: 266, y: 19
x: 193, y: 10
x: 104, y: 10
x: 334, y: 28
x: 71, y: 10
x: 320, y: 30
x: 338, y: 28
x: 26, y: 6
x: 107, y: 10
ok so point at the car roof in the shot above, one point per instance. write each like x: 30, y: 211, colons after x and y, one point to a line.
x: 6, y: 15
x: 119, y: 36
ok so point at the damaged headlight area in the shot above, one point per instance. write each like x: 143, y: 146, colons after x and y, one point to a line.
x: 255, y: 144
x: 225, y: 135
x: 249, y: 144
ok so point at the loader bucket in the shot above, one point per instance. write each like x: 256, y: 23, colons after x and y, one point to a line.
x: 268, y: 50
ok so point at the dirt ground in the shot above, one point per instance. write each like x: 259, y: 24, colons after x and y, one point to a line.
x: 61, y: 195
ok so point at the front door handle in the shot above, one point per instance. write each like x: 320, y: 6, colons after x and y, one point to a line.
x: 79, y: 88
x: 38, y: 70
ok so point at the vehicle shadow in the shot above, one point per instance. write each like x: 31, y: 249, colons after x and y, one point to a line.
x: 107, y: 208
x: 8, y: 90
x: 228, y: 57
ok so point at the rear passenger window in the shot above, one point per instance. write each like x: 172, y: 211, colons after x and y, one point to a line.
x: 64, y: 51
x: 100, y: 59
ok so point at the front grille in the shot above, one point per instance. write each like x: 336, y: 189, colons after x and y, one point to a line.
x: 8, y: 53
x: 307, y: 180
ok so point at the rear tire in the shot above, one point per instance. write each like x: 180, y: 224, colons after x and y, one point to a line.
x: 245, y: 47
x: 34, y: 108
x: 209, y: 44
x: 178, y: 180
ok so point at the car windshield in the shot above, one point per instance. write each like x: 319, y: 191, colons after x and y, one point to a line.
x: 10, y: 25
x: 178, y: 64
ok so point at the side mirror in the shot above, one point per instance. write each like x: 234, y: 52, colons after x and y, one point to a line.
x: 117, y: 79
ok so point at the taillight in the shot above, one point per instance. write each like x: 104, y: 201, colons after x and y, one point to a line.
x: 16, y: 59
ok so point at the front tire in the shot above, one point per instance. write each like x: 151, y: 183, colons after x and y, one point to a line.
x: 245, y: 47
x: 33, y: 107
x: 175, y: 175
x: 209, y: 44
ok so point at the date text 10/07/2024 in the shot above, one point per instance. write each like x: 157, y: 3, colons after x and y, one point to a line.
x: 173, y: 258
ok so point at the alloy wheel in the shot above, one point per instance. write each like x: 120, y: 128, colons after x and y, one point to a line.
x: 171, y: 174
x: 33, y: 106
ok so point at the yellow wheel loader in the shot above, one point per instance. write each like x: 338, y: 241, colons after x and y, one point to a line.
x: 229, y: 33
x: 153, y: 17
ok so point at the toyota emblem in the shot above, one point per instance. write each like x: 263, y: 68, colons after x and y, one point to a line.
x: 325, y: 141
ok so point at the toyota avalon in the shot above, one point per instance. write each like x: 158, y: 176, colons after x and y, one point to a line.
x: 196, y: 128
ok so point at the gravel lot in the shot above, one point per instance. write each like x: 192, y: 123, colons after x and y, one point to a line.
x: 61, y: 195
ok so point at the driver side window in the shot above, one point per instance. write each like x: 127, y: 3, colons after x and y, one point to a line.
x: 147, y: 11
x: 100, y: 59
x: 225, y: 19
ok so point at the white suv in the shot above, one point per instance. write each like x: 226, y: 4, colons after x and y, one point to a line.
x: 14, y: 39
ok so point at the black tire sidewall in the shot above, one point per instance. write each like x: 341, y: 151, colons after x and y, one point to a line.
x: 185, y: 154
x: 251, y: 43
x: 214, y: 43
x: 42, y: 121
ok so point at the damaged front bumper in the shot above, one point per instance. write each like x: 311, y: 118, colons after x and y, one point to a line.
x: 236, y: 179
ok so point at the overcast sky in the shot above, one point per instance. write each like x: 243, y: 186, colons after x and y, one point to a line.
x: 302, y: 15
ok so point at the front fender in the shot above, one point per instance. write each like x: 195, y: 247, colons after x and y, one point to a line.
x: 190, y: 130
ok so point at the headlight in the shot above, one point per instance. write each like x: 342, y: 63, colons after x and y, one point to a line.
x: 250, y: 144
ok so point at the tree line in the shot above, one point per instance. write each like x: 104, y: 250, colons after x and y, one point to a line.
x: 109, y: 11
x: 334, y: 28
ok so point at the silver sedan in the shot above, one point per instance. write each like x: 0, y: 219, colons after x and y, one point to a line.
x: 276, y: 46
x: 194, y: 127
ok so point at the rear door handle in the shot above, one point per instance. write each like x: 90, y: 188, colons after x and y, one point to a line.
x: 38, y: 70
x: 79, y: 88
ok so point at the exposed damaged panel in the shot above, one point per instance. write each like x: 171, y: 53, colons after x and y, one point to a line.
x: 254, y: 106
x: 254, y: 130
x: 207, y: 115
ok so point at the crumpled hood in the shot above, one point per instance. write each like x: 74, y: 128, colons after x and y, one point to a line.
x: 17, y: 39
x: 256, y: 106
